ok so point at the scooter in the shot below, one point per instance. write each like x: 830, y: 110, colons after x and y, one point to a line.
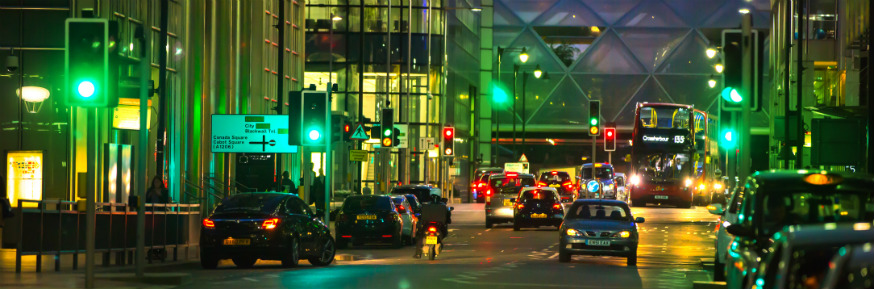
x: 433, y: 242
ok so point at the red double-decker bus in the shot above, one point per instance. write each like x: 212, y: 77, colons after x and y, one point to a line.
x: 663, y: 155
x: 707, y: 183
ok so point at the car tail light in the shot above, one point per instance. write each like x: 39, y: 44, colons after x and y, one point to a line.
x: 432, y: 229
x: 541, y: 184
x: 557, y: 206
x: 568, y: 185
x: 489, y: 193
x: 346, y: 236
x: 400, y: 208
x: 554, y: 173
x: 386, y: 236
x: 207, y: 223
x: 270, y: 224
x: 512, y: 175
x: 520, y: 206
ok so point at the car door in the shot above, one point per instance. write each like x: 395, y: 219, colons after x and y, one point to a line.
x: 307, y: 228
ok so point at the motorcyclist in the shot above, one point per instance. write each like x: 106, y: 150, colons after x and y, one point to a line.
x: 436, y: 214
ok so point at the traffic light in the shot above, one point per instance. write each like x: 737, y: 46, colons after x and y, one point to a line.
x: 387, y: 127
x: 610, y: 139
x: 340, y: 129
x: 347, y: 131
x: 728, y: 138
x: 594, y: 118
x: 448, y: 143
x: 732, y: 51
x: 396, y: 137
x: 86, y: 64
x: 314, y: 118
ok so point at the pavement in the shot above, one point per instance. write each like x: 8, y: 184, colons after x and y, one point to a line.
x: 675, y: 245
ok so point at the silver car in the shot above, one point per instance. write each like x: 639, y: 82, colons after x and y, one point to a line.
x: 598, y: 227
x: 501, y: 193
x: 408, y: 218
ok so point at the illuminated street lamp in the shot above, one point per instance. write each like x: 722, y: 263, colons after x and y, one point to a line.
x: 719, y: 67
x: 538, y: 72
x: 711, y: 52
x: 33, y: 97
x: 524, y: 55
x: 711, y: 83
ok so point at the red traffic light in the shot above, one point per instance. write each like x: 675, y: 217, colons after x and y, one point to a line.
x: 609, y: 132
x: 347, y: 128
x: 448, y: 132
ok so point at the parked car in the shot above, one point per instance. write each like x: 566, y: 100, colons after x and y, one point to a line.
x: 268, y: 226
x: 775, y: 199
x: 535, y: 207
x: 801, y: 255
x: 502, y: 190
x: 599, y: 227
x: 728, y: 215
x: 369, y: 218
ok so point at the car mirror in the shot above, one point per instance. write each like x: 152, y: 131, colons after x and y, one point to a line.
x: 639, y: 220
x: 512, y: 200
x: 716, y: 209
x: 739, y: 230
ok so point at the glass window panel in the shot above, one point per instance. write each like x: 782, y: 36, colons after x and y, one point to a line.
x: 550, y: 95
x: 649, y: 92
x: 652, y: 46
x: 689, y: 89
x: 611, y: 10
x: 537, y: 53
x: 529, y: 10
x: 569, y: 13
x: 689, y: 57
x: 610, y: 56
x: 652, y: 13
x: 614, y: 91
x: 568, y: 43
x: 505, y: 17
x: 694, y: 12
x: 725, y: 17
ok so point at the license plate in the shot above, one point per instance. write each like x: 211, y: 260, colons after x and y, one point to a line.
x: 431, y: 240
x: 598, y: 242
x: 538, y: 216
x: 554, y: 186
x: 237, y: 242
x: 366, y: 217
x: 660, y: 197
x: 507, y: 203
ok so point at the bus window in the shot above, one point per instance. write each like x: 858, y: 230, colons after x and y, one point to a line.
x: 664, y: 117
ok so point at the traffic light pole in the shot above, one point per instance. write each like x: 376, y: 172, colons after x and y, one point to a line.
x: 91, y: 183
x: 747, y: 84
x: 594, y: 160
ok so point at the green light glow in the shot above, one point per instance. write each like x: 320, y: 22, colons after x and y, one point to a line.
x: 314, y: 134
x: 594, y: 121
x: 85, y: 88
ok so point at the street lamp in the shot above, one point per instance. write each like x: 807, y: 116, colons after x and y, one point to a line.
x: 539, y: 74
x: 711, y: 52
x: 33, y: 97
x: 523, y: 56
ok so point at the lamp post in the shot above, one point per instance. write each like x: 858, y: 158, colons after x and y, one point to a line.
x: 523, y: 56
x: 537, y: 74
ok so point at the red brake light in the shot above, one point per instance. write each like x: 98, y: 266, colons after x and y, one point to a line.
x: 488, y: 193
x: 512, y: 175
x: 207, y: 223
x: 556, y: 206
x: 270, y: 224
x: 400, y: 207
x: 432, y: 229
x: 520, y: 206
x: 554, y: 173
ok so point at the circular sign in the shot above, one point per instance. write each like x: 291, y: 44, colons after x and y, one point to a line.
x: 593, y: 186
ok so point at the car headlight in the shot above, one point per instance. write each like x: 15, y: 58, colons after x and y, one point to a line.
x: 717, y: 186
x: 572, y: 232
x: 701, y: 187
x: 634, y: 180
x: 623, y: 234
x: 688, y: 182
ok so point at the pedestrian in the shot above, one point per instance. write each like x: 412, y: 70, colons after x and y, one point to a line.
x: 317, y: 193
x: 286, y: 184
x: 157, y: 193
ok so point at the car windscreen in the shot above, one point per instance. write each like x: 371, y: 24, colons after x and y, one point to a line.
x: 250, y: 203
x: 422, y: 193
x: 357, y: 204
x: 782, y: 208
x: 594, y: 211
x: 507, y: 182
x: 540, y: 196
x: 555, y: 178
x: 602, y: 173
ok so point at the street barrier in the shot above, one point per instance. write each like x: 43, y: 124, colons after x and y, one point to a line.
x: 54, y: 227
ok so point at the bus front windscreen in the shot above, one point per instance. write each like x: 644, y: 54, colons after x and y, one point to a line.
x: 657, y: 117
x: 663, y: 167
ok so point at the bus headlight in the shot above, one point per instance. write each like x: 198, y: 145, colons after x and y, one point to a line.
x: 717, y: 186
x: 688, y: 182
x: 635, y: 180
x: 701, y: 187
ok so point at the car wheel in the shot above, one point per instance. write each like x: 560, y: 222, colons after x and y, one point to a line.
x: 207, y: 261
x: 326, y: 256
x: 489, y: 224
x: 292, y: 256
x: 718, y: 270
x: 244, y: 262
x: 632, y: 260
x: 563, y: 256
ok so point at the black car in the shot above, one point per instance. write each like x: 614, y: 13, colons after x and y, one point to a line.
x: 536, y: 207
x: 369, y: 218
x: 268, y: 226
x: 423, y: 193
x: 562, y: 183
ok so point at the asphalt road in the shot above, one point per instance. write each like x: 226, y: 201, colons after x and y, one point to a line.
x: 673, y: 242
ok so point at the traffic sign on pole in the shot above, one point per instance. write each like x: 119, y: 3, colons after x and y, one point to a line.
x: 360, y: 134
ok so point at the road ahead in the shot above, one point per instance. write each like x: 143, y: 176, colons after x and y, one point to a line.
x: 673, y: 241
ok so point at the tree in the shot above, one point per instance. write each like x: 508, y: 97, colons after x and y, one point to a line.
x: 566, y: 52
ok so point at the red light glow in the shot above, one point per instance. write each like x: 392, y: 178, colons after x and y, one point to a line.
x: 447, y: 132
x: 270, y: 224
x: 207, y: 223
x: 432, y: 229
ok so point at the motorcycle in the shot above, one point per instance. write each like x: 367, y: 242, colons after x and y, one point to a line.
x: 433, y: 242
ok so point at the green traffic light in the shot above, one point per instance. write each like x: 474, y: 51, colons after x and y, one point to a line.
x: 386, y: 132
x: 729, y: 138
x: 731, y: 94
x: 499, y: 94
x: 85, y: 88
x: 594, y: 121
x: 314, y: 134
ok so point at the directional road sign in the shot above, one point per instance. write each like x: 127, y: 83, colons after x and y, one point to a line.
x: 240, y: 133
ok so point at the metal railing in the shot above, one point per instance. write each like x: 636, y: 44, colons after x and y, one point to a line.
x: 55, y: 227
